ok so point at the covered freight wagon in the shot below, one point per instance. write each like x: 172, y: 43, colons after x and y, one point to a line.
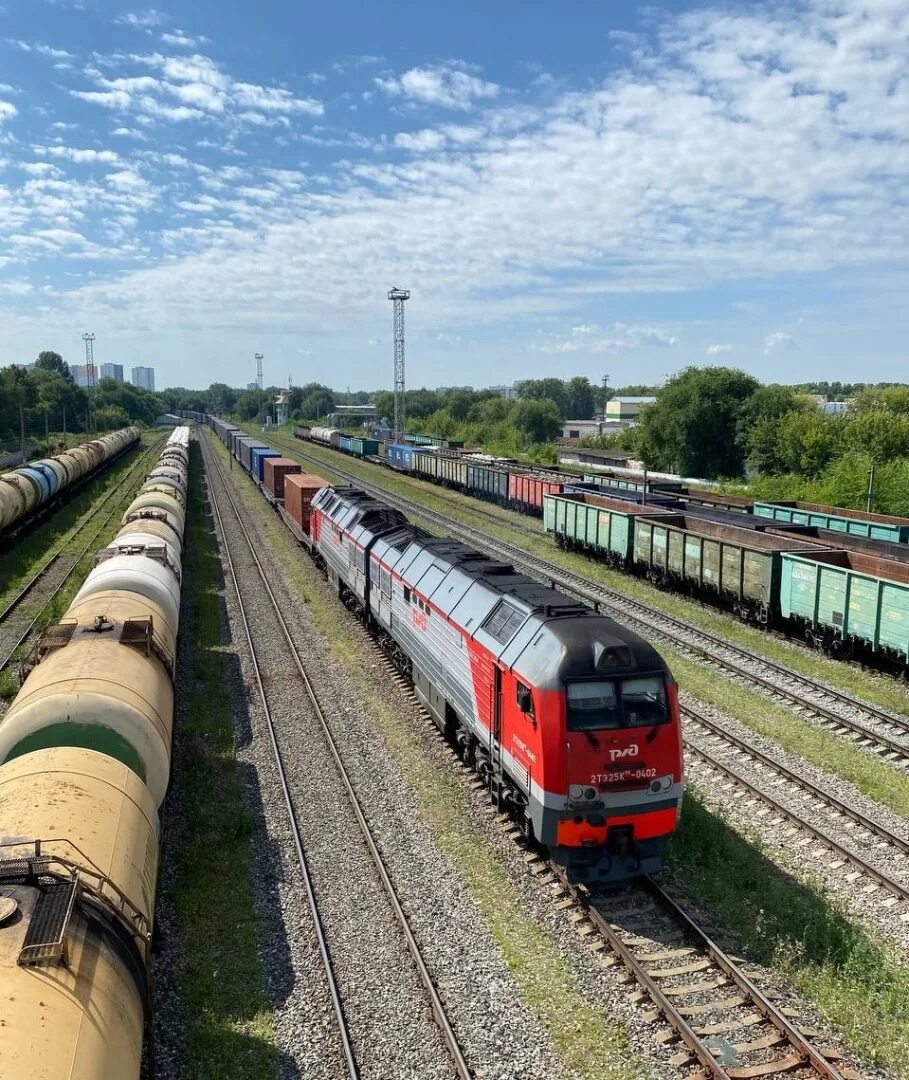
x: 739, y: 567
x: 856, y: 522
x: 844, y: 598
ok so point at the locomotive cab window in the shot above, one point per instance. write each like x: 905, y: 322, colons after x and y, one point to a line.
x: 406, y: 595
x: 524, y: 699
x: 604, y: 704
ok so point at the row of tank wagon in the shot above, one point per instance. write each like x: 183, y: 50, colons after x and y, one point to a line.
x: 84, y: 764
x: 26, y: 490
x: 835, y: 576
x: 536, y: 690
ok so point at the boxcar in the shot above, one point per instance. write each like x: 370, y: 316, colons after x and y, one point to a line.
x: 738, y: 567
x: 586, y: 522
x: 487, y: 482
x: 526, y: 490
x: 845, y: 597
x: 856, y: 522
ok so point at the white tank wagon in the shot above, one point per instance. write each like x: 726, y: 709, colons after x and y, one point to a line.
x: 84, y: 767
x: 27, y: 489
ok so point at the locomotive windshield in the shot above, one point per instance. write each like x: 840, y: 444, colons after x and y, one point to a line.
x: 626, y: 703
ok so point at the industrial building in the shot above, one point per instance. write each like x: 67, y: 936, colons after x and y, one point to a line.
x: 627, y: 409
x: 144, y: 377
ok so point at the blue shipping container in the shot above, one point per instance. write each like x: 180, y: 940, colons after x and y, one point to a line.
x: 258, y: 461
x: 399, y: 456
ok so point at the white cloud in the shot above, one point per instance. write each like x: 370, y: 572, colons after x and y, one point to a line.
x: 449, y: 86
x: 647, y: 335
x: 779, y: 342
x: 7, y: 111
x: 41, y: 50
x: 592, y: 339
x: 184, y: 41
x: 142, y: 20
x: 201, y: 90
x: 80, y: 157
x: 718, y: 349
x: 420, y: 141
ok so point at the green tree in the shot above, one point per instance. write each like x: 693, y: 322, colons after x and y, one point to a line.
x: 549, y: 389
x: 538, y: 421
x: 52, y: 361
x: 579, y: 402
x: 694, y: 425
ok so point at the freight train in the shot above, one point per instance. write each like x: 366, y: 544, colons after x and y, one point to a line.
x: 571, y: 720
x: 837, y: 578
x: 35, y: 486
x: 84, y: 766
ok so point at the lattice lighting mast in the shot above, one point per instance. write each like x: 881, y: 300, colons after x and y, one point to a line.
x: 259, y: 358
x: 398, y: 296
x: 89, y: 340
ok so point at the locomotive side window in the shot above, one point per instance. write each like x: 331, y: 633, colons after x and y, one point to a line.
x: 406, y: 595
x: 524, y: 699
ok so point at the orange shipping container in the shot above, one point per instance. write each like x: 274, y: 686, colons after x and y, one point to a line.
x: 299, y: 491
x: 276, y: 468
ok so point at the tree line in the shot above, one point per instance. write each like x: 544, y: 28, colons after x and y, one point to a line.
x: 46, y: 399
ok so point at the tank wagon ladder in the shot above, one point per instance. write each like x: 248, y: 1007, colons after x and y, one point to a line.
x: 462, y: 1069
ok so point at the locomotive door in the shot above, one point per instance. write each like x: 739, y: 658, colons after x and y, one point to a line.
x: 496, y: 748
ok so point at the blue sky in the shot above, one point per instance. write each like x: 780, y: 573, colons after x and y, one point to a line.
x: 571, y: 188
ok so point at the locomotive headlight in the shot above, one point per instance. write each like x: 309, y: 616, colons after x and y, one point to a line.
x: 660, y: 784
x: 575, y: 791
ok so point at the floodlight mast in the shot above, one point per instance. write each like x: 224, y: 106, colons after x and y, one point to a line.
x: 398, y: 296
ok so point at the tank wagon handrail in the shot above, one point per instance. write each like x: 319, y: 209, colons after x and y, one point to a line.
x: 41, y: 864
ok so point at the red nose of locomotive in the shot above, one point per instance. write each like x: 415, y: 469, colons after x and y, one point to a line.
x: 623, y: 783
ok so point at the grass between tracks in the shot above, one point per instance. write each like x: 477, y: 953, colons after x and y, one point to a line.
x: 37, y: 546
x: 584, y: 1039
x: 229, y: 1033
x: 856, y: 981
x: 527, y: 532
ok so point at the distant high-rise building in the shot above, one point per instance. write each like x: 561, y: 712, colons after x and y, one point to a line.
x: 112, y: 371
x: 144, y: 377
x: 507, y: 392
x: 80, y: 374
x: 252, y: 386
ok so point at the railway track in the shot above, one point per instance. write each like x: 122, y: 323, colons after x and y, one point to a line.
x: 265, y: 690
x: 725, y: 1026
x: 718, y: 1021
x: 878, y: 730
x: 19, y: 620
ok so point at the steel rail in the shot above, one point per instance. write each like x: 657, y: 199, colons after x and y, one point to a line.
x: 600, y: 597
x: 894, y: 887
x: 23, y: 637
x: 880, y: 831
x: 461, y: 1067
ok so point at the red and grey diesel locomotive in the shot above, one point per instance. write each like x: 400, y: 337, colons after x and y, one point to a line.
x: 572, y: 720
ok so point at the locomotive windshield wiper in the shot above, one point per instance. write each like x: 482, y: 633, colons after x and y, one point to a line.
x: 590, y: 735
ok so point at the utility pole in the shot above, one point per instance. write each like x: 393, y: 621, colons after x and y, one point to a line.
x: 46, y: 434
x: 22, y: 433
x: 398, y: 296
x: 89, y: 340
x: 869, y: 498
x: 64, y: 427
x: 259, y: 358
